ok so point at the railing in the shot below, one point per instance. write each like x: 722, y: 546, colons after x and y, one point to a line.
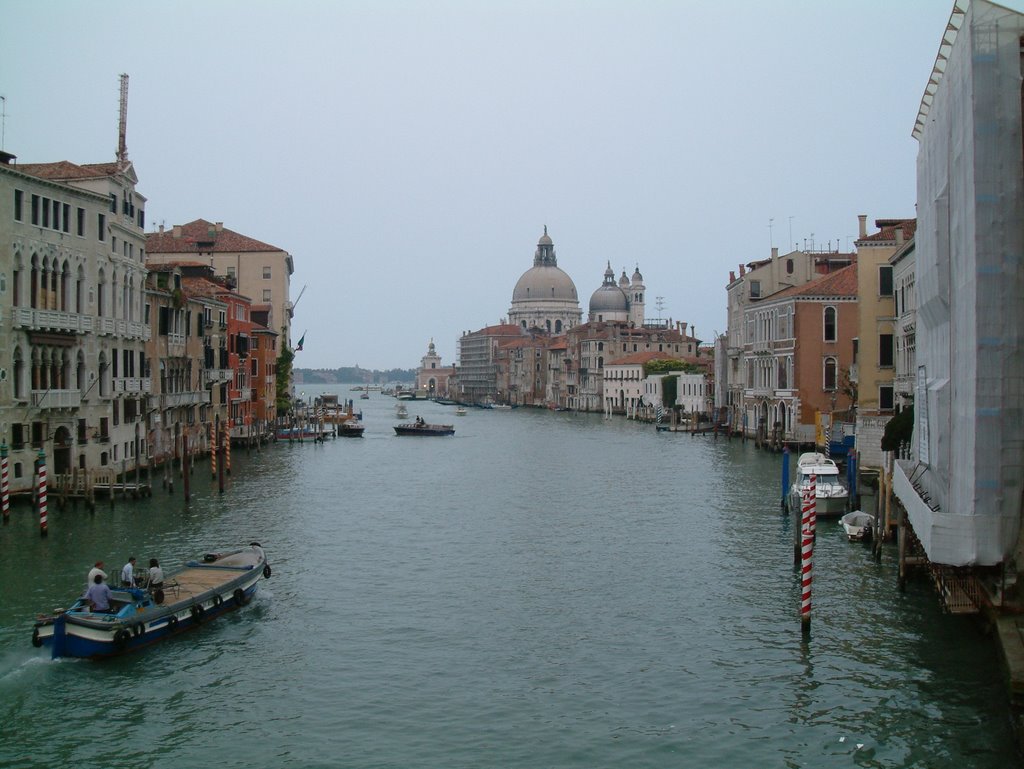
x: 176, y: 339
x: 217, y: 375
x: 106, y: 326
x: 51, y: 320
x: 133, y: 385
x: 56, y: 399
x: 174, y: 400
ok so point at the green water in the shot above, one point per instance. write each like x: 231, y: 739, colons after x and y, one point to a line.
x: 541, y: 590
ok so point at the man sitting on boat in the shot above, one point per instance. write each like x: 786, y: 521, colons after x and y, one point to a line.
x: 420, y: 422
x: 98, y: 594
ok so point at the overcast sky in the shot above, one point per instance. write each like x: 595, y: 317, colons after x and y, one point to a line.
x: 409, y: 154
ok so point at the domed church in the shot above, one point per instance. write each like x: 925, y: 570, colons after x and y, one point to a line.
x: 621, y: 302
x: 545, y: 296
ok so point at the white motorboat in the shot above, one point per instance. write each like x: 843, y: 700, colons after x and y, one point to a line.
x: 832, y: 495
x: 857, y: 525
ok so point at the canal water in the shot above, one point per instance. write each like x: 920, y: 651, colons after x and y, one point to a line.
x: 540, y: 590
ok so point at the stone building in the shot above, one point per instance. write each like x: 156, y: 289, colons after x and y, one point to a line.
x: 73, y: 368
x: 545, y: 296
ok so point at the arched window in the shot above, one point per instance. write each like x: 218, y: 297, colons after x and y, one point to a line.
x: 79, y: 289
x: 80, y: 372
x: 830, y: 374
x: 101, y: 294
x: 19, y: 374
x: 558, y: 327
x: 830, y: 324
x: 789, y: 266
x: 33, y: 289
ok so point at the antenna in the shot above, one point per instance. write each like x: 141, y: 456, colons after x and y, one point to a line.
x: 659, y: 302
x: 122, y: 125
x: 3, y: 120
x: 771, y: 240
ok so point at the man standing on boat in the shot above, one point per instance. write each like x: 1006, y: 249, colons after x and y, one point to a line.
x: 128, y: 573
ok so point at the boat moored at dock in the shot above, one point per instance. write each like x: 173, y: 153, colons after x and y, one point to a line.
x: 832, y: 495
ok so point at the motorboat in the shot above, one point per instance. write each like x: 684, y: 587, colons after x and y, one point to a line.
x: 401, y: 411
x: 460, y: 411
x: 832, y: 495
x: 351, y: 429
x: 422, y: 428
x: 857, y: 525
x: 198, y: 592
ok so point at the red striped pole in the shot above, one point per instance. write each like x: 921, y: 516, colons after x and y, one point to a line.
x: 5, y: 486
x: 808, y: 523
x: 42, y: 494
x: 212, y: 442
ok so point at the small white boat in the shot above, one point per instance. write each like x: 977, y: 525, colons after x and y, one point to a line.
x: 401, y: 412
x: 460, y: 411
x: 857, y: 525
x: 832, y: 495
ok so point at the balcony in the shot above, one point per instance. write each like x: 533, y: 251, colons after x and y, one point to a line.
x: 212, y: 376
x: 51, y: 320
x: 176, y: 400
x: 132, y: 385
x: 128, y: 329
x: 56, y: 399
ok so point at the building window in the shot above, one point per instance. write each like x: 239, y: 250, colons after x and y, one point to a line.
x: 266, y: 295
x: 101, y: 226
x: 830, y: 324
x: 19, y: 199
x: 266, y: 273
x: 755, y: 289
x: 885, y: 397
x: 830, y: 374
x: 789, y: 266
x: 885, y: 280
x: 885, y: 351
x: 231, y: 272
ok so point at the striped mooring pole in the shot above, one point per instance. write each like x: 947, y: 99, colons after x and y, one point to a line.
x: 808, y: 522
x: 227, y: 450
x: 42, y: 494
x: 5, y: 487
x: 212, y: 443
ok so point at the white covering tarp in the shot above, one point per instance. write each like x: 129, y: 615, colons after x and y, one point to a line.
x: 970, y: 283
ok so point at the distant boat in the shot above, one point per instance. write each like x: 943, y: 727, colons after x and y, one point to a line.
x: 401, y: 411
x: 460, y: 411
x: 424, y: 429
x: 351, y: 429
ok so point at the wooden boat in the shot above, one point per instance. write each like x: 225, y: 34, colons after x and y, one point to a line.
x: 413, y: 428
x: 857, y: 525
x: 198, y: 592
x: 351, y: 430
x: 832, y: 495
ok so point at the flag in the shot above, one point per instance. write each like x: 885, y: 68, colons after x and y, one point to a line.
x: 298, y: 347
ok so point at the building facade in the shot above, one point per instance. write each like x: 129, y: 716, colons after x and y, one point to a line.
x: 545, y: 297
x: 73, y: 380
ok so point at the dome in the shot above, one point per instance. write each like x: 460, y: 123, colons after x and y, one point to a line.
x: 545, y: 282
x: 637, y: 277
x: 609, y: 299
x: 623, y: 280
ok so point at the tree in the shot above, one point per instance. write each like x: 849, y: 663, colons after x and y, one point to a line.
x: 284, y: 380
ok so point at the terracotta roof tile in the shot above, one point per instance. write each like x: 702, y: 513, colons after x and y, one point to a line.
x: 203, y: 236
x: 65, y: 169
x: 839, y: 284
x: 641, y: 357
x: 887, y: 230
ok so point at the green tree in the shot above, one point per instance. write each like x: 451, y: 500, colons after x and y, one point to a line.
x: 284, y: 380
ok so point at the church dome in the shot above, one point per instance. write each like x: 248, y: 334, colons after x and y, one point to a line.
x: 609, y: 298
x: 545, y: 281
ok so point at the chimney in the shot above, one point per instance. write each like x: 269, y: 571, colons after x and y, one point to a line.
x: 743, y: 271
x: 161, y: 229
x: 775, y: 253
x: 218, y: 226
x: 732, y: 276
x: 863, y: 220
x: 899, y: 235
x: 176, y: 232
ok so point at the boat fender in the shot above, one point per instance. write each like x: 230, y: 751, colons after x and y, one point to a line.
x: 197, y: 613
x: 267, y: 572
x: 121, y: 638
x: 238, y: 595
x: 138, y: 629
x: 36, y: 640
x: 172, y: 622
x: 217, y: 600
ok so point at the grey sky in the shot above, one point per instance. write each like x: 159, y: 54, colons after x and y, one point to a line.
x: 408, y: 154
